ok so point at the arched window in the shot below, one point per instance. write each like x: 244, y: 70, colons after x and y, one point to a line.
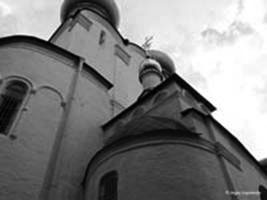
x: 11, y: 98
x: 263, y: 192
x: 108, y: 186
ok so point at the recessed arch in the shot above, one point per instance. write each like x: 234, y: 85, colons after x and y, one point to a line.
x: 53, y: 89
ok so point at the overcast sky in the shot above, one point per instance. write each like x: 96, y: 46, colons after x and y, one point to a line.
x: 219, y: 47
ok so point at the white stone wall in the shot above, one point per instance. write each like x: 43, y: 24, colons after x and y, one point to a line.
x: 25, y: 155
x: 82, y: 139
x: 160, y: 170
x: 103, y: 57
x: 249, y: 176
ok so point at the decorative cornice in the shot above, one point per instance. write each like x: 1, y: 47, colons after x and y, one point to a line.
x: 82, y: 20
x: 101, y: 79
x: 41, y: 46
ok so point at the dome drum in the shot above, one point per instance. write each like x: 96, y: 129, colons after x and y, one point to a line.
x: 106, y: 8
x: 150, y: 66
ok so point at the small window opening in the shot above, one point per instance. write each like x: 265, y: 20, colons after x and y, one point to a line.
x: 102, y: 37
x: 10, y: 101
x: 108, y: 186
x: 263, y: 192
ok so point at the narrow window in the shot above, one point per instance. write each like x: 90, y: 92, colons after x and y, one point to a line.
x: 108, y: 186
x: 263, y: 192
x: 102, y: 37
x: 10, y: 101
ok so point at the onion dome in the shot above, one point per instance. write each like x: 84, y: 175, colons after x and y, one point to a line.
x: 149, y: 66
x: 168, y: 67
x: 106, y: 8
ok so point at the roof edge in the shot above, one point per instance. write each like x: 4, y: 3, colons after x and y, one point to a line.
x: 172, y: 78
x: 53, y: 48
x: 38, y: 42
x: 239, y: 144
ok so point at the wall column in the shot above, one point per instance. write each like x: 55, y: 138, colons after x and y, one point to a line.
x: 53, y: 161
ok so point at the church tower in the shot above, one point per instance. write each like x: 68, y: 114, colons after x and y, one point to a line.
x: 56, y: 95
x: 106, y: 85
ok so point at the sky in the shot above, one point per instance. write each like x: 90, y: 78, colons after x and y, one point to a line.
x: 219, y: 47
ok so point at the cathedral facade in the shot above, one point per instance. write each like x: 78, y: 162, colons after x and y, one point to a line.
x: 89, y: 115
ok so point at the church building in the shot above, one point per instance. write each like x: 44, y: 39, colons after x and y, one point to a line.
x: 89, y: 115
